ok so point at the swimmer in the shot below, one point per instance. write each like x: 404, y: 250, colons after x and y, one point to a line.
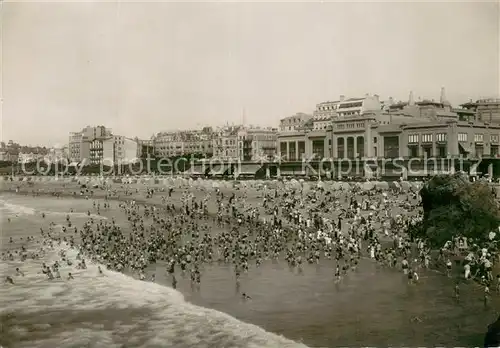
x: 8, y: 279
x: 70, y: 276
x: 337, y: 273
x: 50, y: 276
x: 410, y: 276
x: 486, y: 295
x: 244, y: 296
x: 448, y: 268
x: 99, y: 269
x: 19, y: 272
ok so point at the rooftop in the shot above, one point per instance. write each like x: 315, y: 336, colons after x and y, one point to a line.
x: 482, y: 102
x: 352, y: 99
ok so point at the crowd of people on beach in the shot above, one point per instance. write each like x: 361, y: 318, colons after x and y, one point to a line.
x: 281, y: 224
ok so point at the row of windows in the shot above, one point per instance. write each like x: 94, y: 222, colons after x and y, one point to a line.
x: 194, y: 147
x: 327, y: 108
x: 442, y: 137
x: 441, y: 151
x: 478, y: 138
x: 287, y: 128
x: 427, y: 138
x: 351, y: 125
x: 462, y: 136
x: 349, y: 113
x: 96, y: 145
x: 350, y: 105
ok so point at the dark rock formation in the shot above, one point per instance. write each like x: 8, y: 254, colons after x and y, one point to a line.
x: 492, y: 337
x: 455, y: 207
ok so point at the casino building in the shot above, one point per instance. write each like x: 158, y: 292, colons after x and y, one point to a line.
x: 364, y: 129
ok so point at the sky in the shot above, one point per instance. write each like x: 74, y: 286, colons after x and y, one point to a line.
x: 140, y: 68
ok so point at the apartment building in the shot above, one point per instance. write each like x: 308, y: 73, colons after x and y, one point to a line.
x: 324, y: 114
x: 226, y: 143
x: 486, y: 110
x: 358, y: 106
x: 87, y: 144
x: 293, y: 123
x: 119, y: 150
x: 257, y: 144
x: 179, y: 143
x: 57, y: 154
x: 145, y: 147
x: 97, y: 145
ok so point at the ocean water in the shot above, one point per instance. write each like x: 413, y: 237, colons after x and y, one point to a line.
x: 112, y: 310
x: 372, y: 307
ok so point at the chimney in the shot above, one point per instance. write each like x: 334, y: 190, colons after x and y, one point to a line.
x: 342, y: 97
x: 442, y: 99
x: 410, y: 99
x: 366, y: 95
x: 376, y: 96
x: 391, y: 100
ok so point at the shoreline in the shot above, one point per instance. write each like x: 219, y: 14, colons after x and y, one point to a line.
x: 100, y: 194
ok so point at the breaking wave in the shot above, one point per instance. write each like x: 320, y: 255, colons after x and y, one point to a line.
x: 18, y: 209
x: 112, y: 310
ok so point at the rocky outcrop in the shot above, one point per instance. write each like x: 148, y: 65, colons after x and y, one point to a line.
x: 455, y: 207
x: 492, y: 337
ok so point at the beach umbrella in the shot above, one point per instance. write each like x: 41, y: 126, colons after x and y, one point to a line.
x: 345, y: 186
x: 336, y: 185
x: 367, y: 186
x: 405, y: 185
x: 382, y: 185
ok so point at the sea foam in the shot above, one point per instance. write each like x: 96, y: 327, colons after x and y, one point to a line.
x: 112, y: 310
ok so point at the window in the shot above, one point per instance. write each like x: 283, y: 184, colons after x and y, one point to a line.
x: 462, y: 136
x: 478, y: 138
x: 413, y: 139
x: 494, y: 138
x: 494, y: 151
x: 442, y: 151
x: 441, y: 137
x: 427, y: 138
x: 427, y: 152
x: 479, y: 151
x: 413, y: 151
